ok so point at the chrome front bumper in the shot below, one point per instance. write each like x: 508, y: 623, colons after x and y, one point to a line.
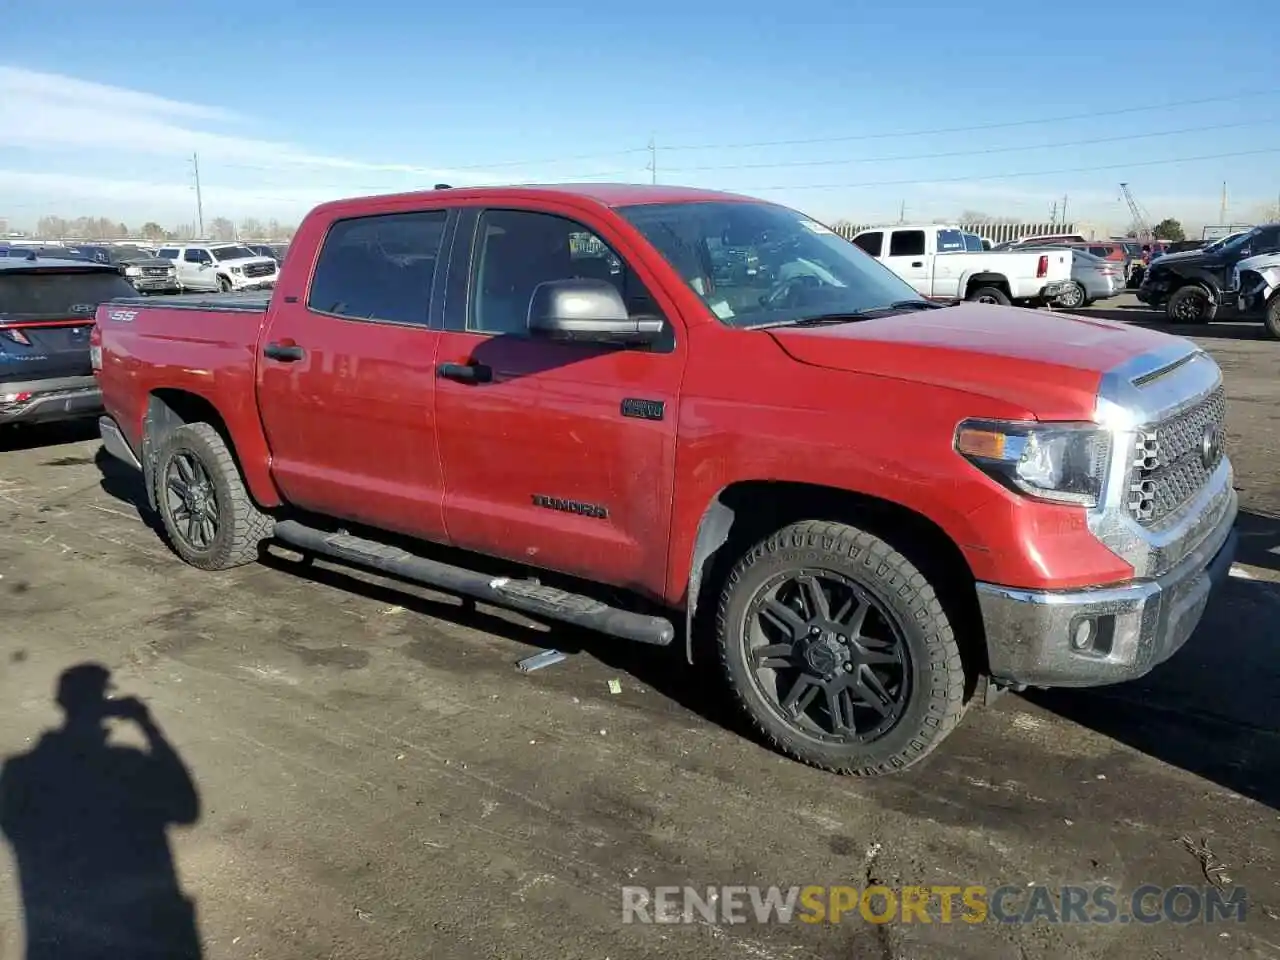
x: 1118, y: 631
x: 1130, y: 627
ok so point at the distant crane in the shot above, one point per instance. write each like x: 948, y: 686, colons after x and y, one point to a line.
x: 1141, y: 221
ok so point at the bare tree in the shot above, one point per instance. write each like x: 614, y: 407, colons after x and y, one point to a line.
x: 1269, y: 213
x: 976, y: 216
x: 153, y: 231
x: 51, y: 228
x: 251, y: 228
x: 220, y: 228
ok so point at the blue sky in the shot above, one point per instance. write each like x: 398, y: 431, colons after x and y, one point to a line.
x: 292, y: 103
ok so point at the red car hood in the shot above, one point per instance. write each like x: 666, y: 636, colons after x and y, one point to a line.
x: 1047, y: 364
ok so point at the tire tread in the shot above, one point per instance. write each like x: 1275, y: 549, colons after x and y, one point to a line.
x: 892, y: 570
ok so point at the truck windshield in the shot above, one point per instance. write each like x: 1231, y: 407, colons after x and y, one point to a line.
x: 756, y: 264
x: 231, y: 253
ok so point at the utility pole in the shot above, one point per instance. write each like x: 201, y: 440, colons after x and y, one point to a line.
x: 653, y: 160
x: 1053, y: 214
x: 1064, y: 211
x: 902, y: 212
x: 1222, y: 210
x: 195, y: 163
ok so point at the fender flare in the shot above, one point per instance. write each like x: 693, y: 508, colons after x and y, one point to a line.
x: 713, y: 533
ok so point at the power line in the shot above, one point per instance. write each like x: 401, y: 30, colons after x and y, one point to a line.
x: 986, y: 151
x: 1002, y: 125
x: 1011, y: 176
x: 418, y: 170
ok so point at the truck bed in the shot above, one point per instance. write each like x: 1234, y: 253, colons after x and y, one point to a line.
x: 246, y: 301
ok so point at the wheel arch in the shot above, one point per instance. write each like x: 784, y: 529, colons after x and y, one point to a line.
x: 985, y: 278
x: 745, y: 512
x: 169, y: 408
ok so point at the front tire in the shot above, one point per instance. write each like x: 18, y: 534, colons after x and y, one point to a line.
x: 1271, y: 319
x: 224, y: 285
x: 209, y: 518
x: 1191, y: 304
x: 838, y: 650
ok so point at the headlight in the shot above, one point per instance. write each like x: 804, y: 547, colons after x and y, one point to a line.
x: 1060, y: 462
x: 236, y: 270
x: 133, y: 271
x: 172, y: 271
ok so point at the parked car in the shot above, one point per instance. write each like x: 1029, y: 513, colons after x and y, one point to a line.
x: 935, y: 261
x: 1193, y: 286
x: 1092, y: 279
x: 1257, y: 281
x: 871, y: 507
x: 220, y: 266
x: 148, y: 274
x: 46, y: 312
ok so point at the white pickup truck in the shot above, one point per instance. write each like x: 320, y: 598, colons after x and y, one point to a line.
x: 933, y: 259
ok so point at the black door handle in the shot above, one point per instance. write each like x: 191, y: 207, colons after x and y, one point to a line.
x: 917, y: 263
x: 465, y: 372
x: 285, y: 353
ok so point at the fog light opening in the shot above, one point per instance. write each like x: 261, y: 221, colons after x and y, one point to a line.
x: 1092, y: 635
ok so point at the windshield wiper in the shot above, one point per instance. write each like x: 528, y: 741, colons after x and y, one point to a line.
x: 853, y: 316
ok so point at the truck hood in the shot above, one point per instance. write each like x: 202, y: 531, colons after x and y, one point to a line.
x: 1048, y: 365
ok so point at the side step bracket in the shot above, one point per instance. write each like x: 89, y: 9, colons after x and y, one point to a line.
x: 528, y: 596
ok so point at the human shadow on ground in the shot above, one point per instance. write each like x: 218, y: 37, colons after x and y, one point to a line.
x: 87, y: 822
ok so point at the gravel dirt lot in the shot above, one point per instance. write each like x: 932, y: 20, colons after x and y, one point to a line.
x: 376, y: 779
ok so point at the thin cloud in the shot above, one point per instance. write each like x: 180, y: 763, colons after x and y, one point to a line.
x: 47, y: 111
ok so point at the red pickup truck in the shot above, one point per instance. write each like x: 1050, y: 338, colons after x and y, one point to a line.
x: 662, y: 413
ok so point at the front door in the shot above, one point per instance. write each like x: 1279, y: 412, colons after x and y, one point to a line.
x: 195, y: 270
x: 558, y: 455
x: 346, y: 385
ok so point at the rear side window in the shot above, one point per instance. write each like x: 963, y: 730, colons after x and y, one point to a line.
x: 950, y: 241
x: 379, y: 268
x: 908, y: 243
x: 58, y: 296
x: 872, y: 243
x: 1100, y: 251
x: 197, y: 256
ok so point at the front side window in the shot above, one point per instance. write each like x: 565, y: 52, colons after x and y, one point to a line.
x: 518, y: 249
x: 379, y: 268
x: 784, y: 267
x: 906, y: 243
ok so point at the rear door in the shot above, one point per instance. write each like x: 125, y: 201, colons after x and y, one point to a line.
x: 46, y: 314
x: 346, y: 385
x: 905, y: 255
x: 942, y: 277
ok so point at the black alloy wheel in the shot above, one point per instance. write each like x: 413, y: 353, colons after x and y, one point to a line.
x: 828, y: 658
x: 192, y: 502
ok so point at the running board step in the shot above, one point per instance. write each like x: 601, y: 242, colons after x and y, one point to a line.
x: 528, y: 596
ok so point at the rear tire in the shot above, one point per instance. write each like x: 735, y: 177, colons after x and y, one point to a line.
x: 992, y: 295
x: 209, y: 518
x: 1191, y: 304
x: 837, y: 649
x: 1072, y: 297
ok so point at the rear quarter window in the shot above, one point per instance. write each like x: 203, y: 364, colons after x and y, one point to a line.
x: 872, y: 243
x: 61, y: 296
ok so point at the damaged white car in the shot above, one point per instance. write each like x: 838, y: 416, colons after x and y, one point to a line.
x: 1257, y: 280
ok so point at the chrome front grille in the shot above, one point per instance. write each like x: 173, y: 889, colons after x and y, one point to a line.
x: 259, y: 269
x: 155, y: 271
x: 1174, y: 459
